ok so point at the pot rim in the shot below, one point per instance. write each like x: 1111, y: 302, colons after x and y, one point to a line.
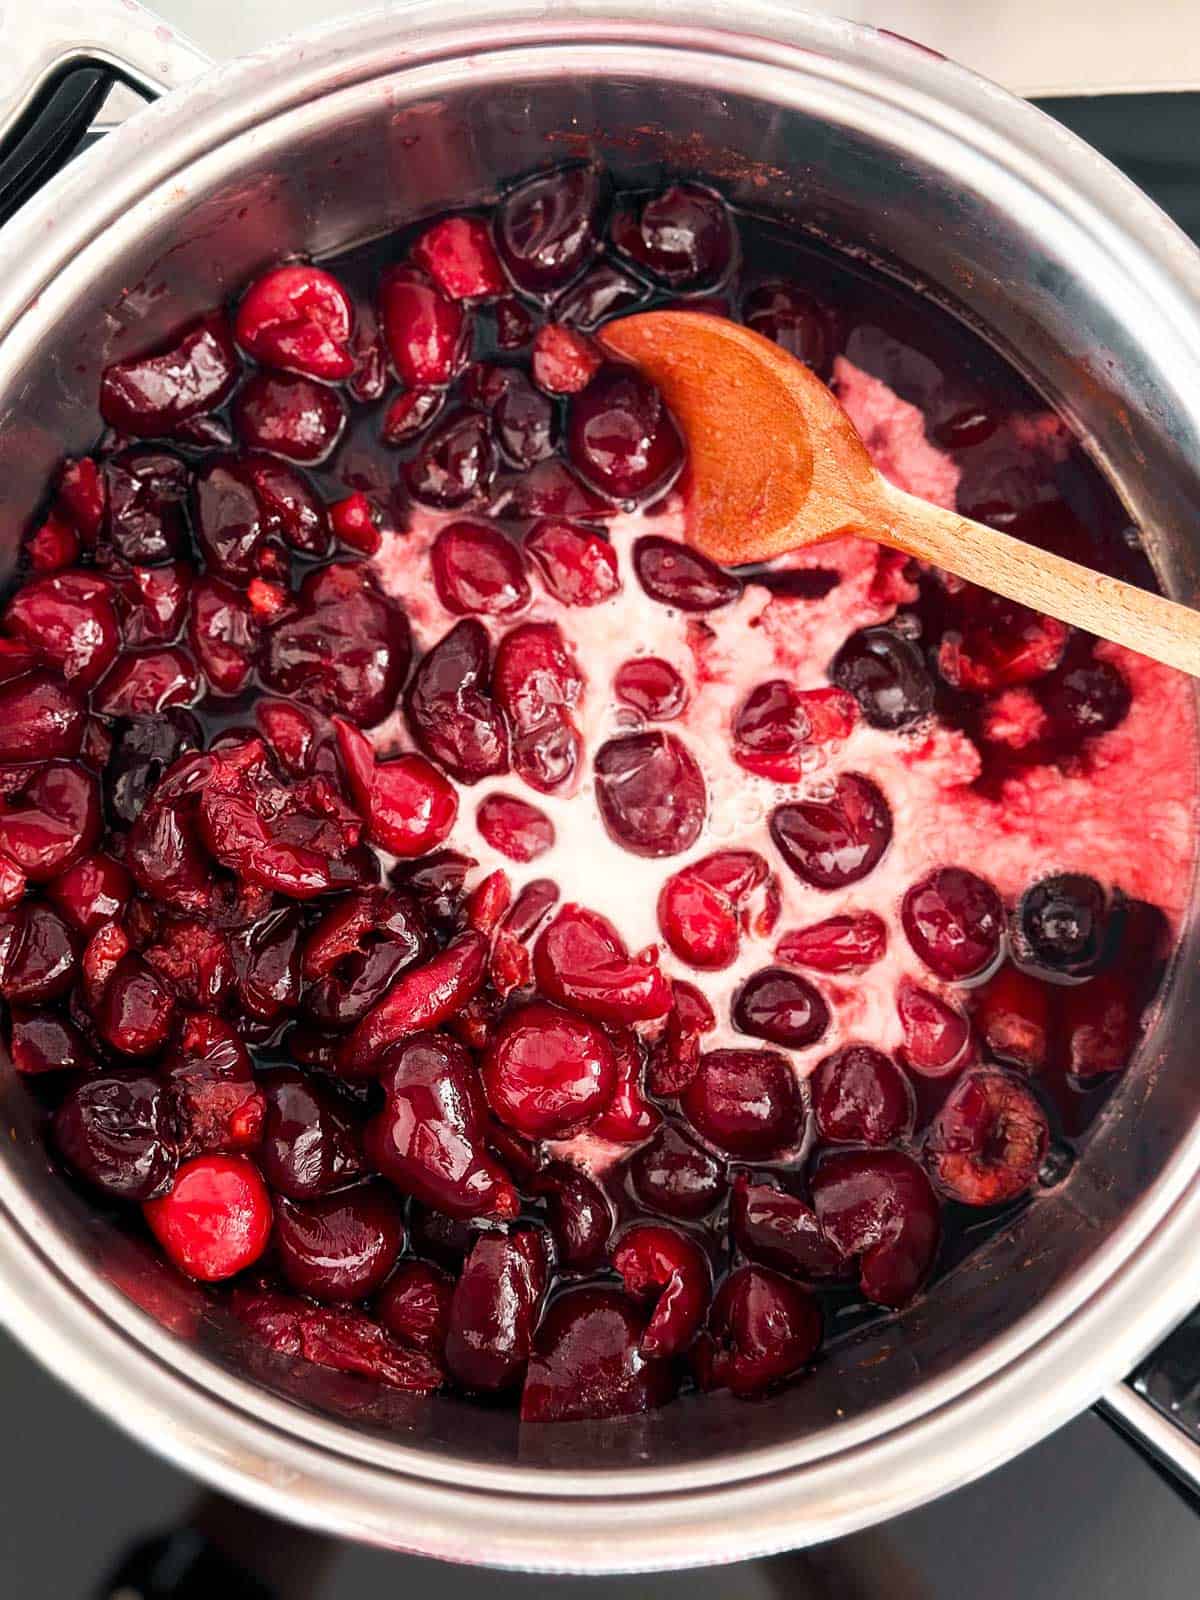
x: 247, y: 1441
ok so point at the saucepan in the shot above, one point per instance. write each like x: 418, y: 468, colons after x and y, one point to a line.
x: 879, y: 148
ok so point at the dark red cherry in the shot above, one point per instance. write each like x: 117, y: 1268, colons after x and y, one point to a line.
x: 778, y: 1229
x: 937, y: 1036
x: 143, y: 683
x: 676, y: 1176
x: 683, y: 237
x: 1084, y: 701
x: 427, y: 334
x: 781, y: 1007
x: 745, y: 1102
x: 834, y: 842
x: 37, y: 954
x: 621, y: 438
x: 1064, y: 924
x: 581, y: 961
x: 1012, y: 1015
x: 310, y: 1145
x: 115, y: 1131
x: 955, y: 923
x: 548, y: 1071
x: 651, y: 793
x: 578, y: 568
x: 146, y: 495
x: 602, y: 292
x: 40, y: 718
x: 763, y: 1329
x: 536, y: 683
x: 788, y: 315
x: 847, y: 943
x: 223, y: 635
x: 55, y: 822
x: 414, y: 1307
x: 514, y: 827
x: 667, y: 1268
x: 95, y: 890
x: 998, y: 643
x: 579, y: 1215
x: 563, y: 361
x: 588, y: 1363
x: 158, y: 394
x: 142, y: 752
x: 450, y: 710
x: 69, y: 621
x: 298, y: 318
x: 456, y: 463
x: 989, y: 1139
x: 430, y: 1138
x: 879, y: 1205
x: 290, y: 416
x: 494, y: 1309
x: 777, y: 723
x: 342, y: 1246
x: 41, y: 1042
x: 860, y: 1096
x: 477, y: 571
x: 652, y: 687
x: 546, y: 227
x: 886, y: 674
x: 676, y: 575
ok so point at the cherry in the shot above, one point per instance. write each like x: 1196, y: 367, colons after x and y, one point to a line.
x: 37, y: 954
x: 486, y: 905
x: 353, y: 521
x: 288, y: 415
x: 989, y: 1139
x: 628, y: 1118
x: 142, y: 752
x: 1000, y: 644
x: 159, y: 394
x: 675, y: 1057
x: 676, y: 1176
x: 937, y: 1037
x: 41, y: 1042
x: 651, y: 793
x: 216, y: 1103
x: 1064, y: 925
x: 745, y: 1102
x: 563, y: 361
x: 410, y: 413
x: 683, y: 237
x: 339, y: 1247
x: 135, y: 1014
x: 298, y: 318
x: 335, y: 1337
x: 955, y: 923
x: 223, y: 635
x: 52, y: 546
x: 215, y: 1220
x: 551, y: 489
x: 494, y: 1309
x: 356, y: 951
x: 577, y: 567
x: 514, y: 324
x: 786, y: 314
x: 621, y: 438
x: 546, y: 227
x: 477, y: 571
x: 776, y: 723
x: 879, y: 1205
x: 698, y: 907
x: 429, y: 1139
x: 452, y: 716
x: 581, y: 961
x: 664, y: 1266
x: 763, y: 1329
x: 537, y: 683
x: 116, y: 1132
x: 675, y: 575
x: 145, y: 495
x: 422, y: 997
x: 832, y: 843
x: 652, y: 687
x: 578, y: 1213
x: 427, y: 335
x: 437, y: 882
x: 156, y: 599
x: 518, y: 830
x: 40, y: 718
x: 288, y: 505
x: 346, y: 648
x: 860, y: 1096
x: 458, y: 254
x: 69, y: 621
x: 523, y: 419
x: 885, y: 673
x: 456, y: 463
x: 587, y: 1362
x: 847, y: 943
x: 547, y: 1071
x: 414, y: 1307
x: 777, y: 1229
x: 781, y: 1007
x: 228, y: 518
x: 145, y: 682
x: 1012, y: 1015
x: 408, y: 805
x: 602, y: 292
x: 1084, y: 701
x: 193, y: 960
x: 55, y: 824
x: 1099, y: 1025
x: 310, y: 1145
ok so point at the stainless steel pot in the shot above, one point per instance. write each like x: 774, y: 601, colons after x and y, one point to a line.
x: 884, y: 149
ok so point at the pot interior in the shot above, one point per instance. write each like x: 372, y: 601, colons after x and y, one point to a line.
x: 884, y: 179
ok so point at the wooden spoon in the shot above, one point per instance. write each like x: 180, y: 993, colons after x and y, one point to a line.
x: 775, y: 463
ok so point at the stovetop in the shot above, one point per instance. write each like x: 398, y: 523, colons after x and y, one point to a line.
x: 1081, y: 1515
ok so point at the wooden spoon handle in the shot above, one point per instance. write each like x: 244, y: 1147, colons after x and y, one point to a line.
x: 1105, y: 606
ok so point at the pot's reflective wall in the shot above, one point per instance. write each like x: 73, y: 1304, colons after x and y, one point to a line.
x: 371, y: 156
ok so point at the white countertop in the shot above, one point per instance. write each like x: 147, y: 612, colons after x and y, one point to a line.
x: 1032, y: 46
